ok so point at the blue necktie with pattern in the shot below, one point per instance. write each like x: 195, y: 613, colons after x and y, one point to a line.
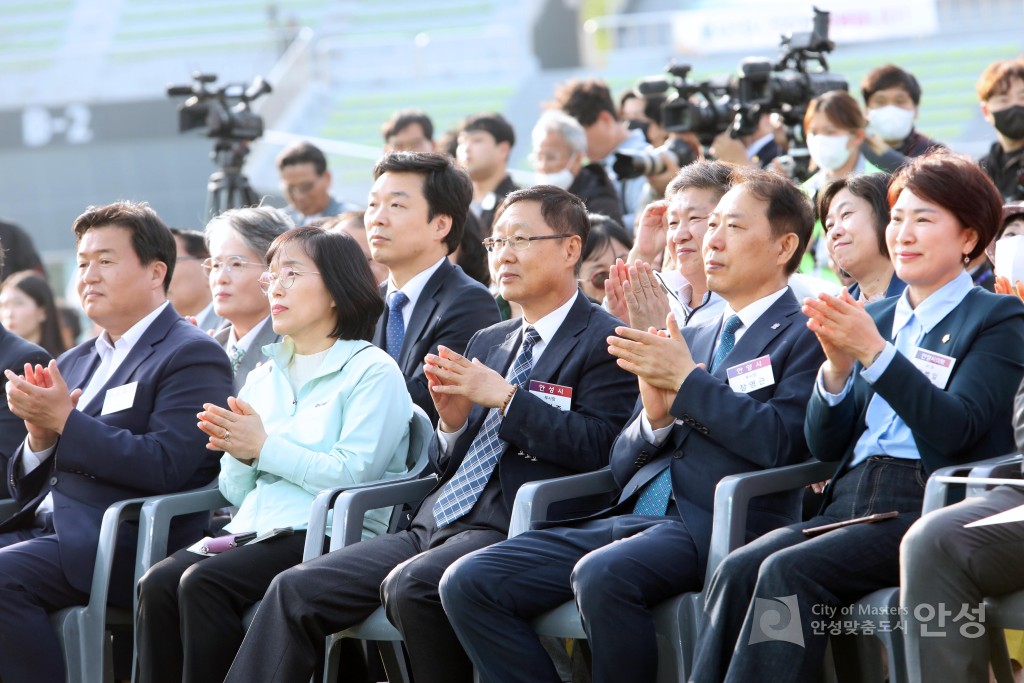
x: 726, y: 341
x: 395, y: 332
x: 654, y: 498
x: 463, y: 490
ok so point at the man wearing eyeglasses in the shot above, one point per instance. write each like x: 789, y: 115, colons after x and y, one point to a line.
x: 532, y: 398
x: 415, y: 218
x: 306, y: 183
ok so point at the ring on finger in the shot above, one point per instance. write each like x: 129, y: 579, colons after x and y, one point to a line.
x: 227, y: 435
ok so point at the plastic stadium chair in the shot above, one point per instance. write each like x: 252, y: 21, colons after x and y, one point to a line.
x: 676, y: 620
x: 858, y: 658
x: 158, y: 512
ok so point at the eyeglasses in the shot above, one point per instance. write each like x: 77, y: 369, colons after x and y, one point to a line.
x: 286, y: 277
x: 213, y: 266
x: 517, y: 242
x: 598, y: 279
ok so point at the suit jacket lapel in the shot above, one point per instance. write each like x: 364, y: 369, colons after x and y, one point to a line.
x: 563, y: 342
x: 142, y: 350
x: 79, y: 373
x: 771, y: 324
x: 422, y: 314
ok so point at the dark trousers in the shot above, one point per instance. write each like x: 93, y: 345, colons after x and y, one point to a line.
x: 947, y: 568
x: 189, y: 623
x: 769, y: 597
x: 617, y: 569
x: 32, y: 584
x: 340, y: 589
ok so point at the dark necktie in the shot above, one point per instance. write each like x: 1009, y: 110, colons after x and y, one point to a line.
x: 726, y: 341
x: 395, y: 333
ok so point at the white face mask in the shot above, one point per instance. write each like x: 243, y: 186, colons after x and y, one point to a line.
x: 829, y: 151
x: 562, y: 179
x: 891, y: 122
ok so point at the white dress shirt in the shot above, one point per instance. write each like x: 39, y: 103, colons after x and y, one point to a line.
x: 412, y: 289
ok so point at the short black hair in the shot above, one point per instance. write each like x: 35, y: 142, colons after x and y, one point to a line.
x: 194, y: 241
x: 564, y: 213
x: 788, y: 210
x: 492, y: 122
x: 401, y: 120
x: 346, y: 275
x: 872, y: 188
x: 446, y: 187
x: 890, y: 76
x: 151, y: 238
x: 303, y: 153
x: 604, y: 229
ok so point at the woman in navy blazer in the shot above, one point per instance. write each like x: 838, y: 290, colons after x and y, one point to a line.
x: 909, y: 385
x: 328, y: 409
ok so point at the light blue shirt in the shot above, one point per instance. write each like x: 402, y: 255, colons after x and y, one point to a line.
x: 348, y: 424
x: 885, y: 433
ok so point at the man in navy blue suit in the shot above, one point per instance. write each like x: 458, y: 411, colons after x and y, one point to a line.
x: 532, y: 398
x: 716, y: 399
x: 415, y: 219
x: 112, y: 419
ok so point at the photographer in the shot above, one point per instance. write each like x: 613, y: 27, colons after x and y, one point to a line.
x: 1001, y: 93
x: 892, y: 97
x: 757, y: 149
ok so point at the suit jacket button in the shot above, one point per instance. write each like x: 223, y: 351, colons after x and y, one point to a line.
x: 677, y: 454
x: 53, y: 481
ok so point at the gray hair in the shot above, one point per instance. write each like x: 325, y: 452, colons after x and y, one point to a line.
x: 256, y: 226
x: 559, y: 122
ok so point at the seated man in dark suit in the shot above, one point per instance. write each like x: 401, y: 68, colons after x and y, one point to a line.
x: 415, y: 217
x: 541, y: 398
x: 15, y: 353
x: 114, y: 418
x: 716, y: 399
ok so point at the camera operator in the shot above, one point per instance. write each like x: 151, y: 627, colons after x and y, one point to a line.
x: 892, y: 97
x: 835, y: 129
x: 757, y: 149
x: 559, y: 145
x: 1001, y: 92
x: 590, y: 103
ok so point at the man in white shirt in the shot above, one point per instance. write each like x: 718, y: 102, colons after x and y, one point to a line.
x: 114, y: 420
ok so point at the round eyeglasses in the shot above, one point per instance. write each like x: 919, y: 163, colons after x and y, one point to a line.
x: 286, y: 277
x: 216, y: 266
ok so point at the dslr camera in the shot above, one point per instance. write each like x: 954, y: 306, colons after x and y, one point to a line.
x: 226, y: 111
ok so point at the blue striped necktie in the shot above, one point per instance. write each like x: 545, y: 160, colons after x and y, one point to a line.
x: 726, y: 341
x: 462, y: 491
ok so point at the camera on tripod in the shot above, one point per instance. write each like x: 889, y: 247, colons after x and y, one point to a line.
x: 226, y: 112
x: 709, y: 108
x: 228, y: 116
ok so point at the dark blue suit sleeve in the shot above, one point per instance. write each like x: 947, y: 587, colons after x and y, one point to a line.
x: 12, y: 427
x: 168, y: 452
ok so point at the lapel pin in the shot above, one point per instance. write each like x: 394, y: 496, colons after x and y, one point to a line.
x: 945, y: 338
x: 775, y: 326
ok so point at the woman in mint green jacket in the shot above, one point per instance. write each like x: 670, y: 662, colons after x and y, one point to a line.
x: 326, y: 409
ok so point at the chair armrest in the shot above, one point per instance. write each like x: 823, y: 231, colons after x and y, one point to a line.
x: 353, y: 504
x: 935, y: 491
x: 1004, y: 467
x: 113, y: 516
x: 156, y: 516
x: 937, y: 495
x: 534, y: 499
x: 733, y: 496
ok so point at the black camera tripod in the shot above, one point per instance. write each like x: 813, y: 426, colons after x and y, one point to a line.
x: 228, y: 188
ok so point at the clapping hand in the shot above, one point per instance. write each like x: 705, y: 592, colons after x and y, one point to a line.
x: 41, y: 398
x: 236, y: 430
x: 846, y: 333
x: 1003, y: 286
x: 457, y: 383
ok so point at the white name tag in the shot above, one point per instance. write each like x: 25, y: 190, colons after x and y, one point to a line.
x: 119, y: 398
x: 555, y: 394
x: 752, y: 375
x: 935, y: 366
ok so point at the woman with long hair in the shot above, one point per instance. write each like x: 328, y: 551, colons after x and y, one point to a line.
x: 27, y: 309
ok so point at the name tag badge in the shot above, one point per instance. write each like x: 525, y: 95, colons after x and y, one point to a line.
x: 555, y: 394
x: 119, y: 398
x: 752, y: 375
x: 935, y: 366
